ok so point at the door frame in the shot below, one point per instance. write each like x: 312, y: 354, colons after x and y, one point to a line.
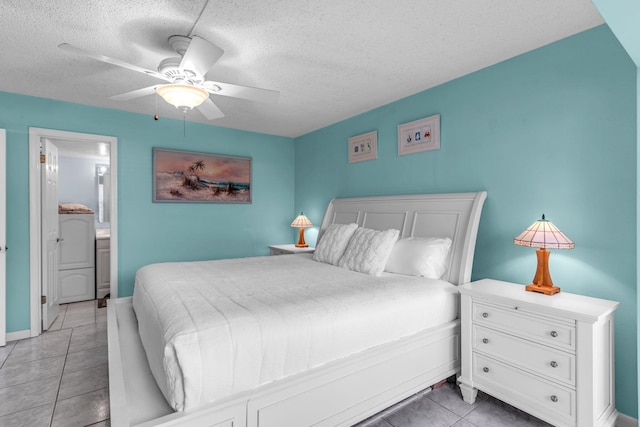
x: 50, y: 226
x: 35, y: 214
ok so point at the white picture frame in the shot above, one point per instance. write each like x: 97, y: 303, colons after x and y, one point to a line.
x: 363, y: 147
x: 419, y: 135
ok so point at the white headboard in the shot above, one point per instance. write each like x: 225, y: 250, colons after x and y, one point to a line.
x: 454, y: 215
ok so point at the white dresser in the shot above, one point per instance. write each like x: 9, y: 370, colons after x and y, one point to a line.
x: 551, y: 356
x: 77, y: 277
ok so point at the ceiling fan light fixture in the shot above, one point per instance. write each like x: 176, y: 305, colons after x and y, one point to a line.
x: 182, y: 96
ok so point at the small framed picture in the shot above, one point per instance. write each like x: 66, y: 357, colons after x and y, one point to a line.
x: 363, y: 147
x: 419, y: 135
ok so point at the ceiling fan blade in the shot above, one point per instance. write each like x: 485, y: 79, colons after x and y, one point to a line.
x: 244, y: 92
x: 210, y: 110
x: 112, y: 61
x: 200, y: 56
x: 135, y: 93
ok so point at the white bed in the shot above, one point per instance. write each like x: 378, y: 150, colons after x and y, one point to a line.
x: 337, y: 384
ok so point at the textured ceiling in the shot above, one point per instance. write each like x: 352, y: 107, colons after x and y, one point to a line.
x: 329, y: 59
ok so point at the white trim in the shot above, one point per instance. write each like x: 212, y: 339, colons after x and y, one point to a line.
x: 113, y: 219
x: 18, y: 335
x: 34, y: 233
x: 626, y: 421
x: 35, y: 136
x: 3, y: 237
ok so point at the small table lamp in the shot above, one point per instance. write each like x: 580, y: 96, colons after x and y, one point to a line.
x: 301, y: 222
x: 543, y: 234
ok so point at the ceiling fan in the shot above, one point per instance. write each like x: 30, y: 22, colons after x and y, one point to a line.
x: 185, y: 74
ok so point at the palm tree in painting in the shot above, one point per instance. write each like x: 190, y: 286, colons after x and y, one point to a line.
x: 196, y: 166
x: 192, y: 179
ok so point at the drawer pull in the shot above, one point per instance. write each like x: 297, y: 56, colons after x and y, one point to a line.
x: 553, y: 364
x: 485, y: 369
x: 554, y: 334
x: 485, y: 315
x: 485, y: 340
x: 554, y: 398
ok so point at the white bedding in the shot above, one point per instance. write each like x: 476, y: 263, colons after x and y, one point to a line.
x: 255, y: 320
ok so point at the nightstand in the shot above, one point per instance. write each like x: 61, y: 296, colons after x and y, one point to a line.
x: 289, y: 249
x: 551, y: 356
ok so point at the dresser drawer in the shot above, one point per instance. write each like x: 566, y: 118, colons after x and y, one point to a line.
x: 275, y: 251
x: 542, y: 395
x: 545, y: 361
x: 560, y: 334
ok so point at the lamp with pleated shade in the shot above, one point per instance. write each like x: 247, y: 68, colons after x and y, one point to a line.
x: 301, y: 222
x: 543, y: 234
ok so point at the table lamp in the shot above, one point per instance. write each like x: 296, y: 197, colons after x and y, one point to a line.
x: 301, y: 222
x: 543, y: 234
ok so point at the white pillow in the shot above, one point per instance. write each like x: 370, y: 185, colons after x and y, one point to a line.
x: 368, y: 250
x: 333, y: 243
x: 420, y: 256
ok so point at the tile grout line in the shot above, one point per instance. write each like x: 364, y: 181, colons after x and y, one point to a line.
x: 428, y: 396
x: 64, y: 365
x: 8, y: 355
x: 472, y: 410
x: 72, y: 331
x: 32, y: 361
x: 95, y: 322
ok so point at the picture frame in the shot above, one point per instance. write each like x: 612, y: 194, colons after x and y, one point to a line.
x: 419, y: 135
x: 193, y: 177
x: 363, y: 147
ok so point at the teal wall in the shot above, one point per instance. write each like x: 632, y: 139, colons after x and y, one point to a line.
x: 622, y: 16
x: 149, y: 232
x: 552, y: 131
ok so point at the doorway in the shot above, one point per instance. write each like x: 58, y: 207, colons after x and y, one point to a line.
x: 107, y: 210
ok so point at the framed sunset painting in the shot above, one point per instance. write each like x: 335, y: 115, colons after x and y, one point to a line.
x: 191, y: 177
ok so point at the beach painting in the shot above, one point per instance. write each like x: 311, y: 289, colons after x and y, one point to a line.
x: 186, y: 176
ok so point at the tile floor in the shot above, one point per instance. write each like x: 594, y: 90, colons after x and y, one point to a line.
x: 61, y: 379
x: 444, y: 407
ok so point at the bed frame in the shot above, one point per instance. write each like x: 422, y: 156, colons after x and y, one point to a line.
x: 340, y: 393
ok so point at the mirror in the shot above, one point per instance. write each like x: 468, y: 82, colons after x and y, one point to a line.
x: 104, y: 193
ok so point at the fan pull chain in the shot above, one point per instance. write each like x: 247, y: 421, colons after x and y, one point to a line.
x: 155, y: 116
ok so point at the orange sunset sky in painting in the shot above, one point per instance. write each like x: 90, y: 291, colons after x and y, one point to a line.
x: 217, y: 167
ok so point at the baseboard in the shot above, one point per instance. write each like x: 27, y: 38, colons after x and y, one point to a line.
x: 626, y: 421
x: 18, y: 335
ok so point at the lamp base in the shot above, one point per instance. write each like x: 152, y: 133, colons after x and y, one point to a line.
x: 543, y: 289
x: 542, y: 282
x: 301, y: 243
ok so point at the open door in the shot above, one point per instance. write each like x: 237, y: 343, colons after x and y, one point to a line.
x: 50, y: 232
x: 3, y: 238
